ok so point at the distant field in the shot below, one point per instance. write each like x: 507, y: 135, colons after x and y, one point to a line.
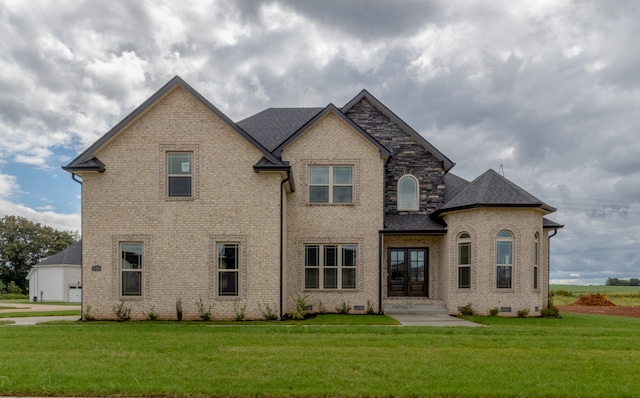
x: 619, y: 295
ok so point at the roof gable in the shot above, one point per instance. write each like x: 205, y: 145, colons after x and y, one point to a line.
x: 334, y: 110
x: 72, y: 255
x: 364, y: 94
x: 493, y: 190
x: 87, y: 161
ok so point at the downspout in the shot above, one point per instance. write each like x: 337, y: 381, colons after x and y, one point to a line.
x: 380, y: 241
x: 555, y: 232
x: 74, y: 178
x: 282, y: 240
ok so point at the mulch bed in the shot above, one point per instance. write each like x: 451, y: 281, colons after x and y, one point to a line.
x: 598, y: 304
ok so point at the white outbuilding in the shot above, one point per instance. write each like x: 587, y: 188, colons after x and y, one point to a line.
x: 58, y: 277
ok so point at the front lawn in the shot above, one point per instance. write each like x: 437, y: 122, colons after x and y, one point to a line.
x: 576, y: 356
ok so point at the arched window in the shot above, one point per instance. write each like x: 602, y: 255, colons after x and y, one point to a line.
x: 408, y: 193
x: 464, y: 261
x: 504, y: 260
x: 536, y: 258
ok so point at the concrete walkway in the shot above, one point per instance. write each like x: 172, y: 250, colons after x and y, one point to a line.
x: 25, y: 321
x: 431, y: 320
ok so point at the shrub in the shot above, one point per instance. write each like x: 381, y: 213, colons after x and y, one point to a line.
x: 152, y: 315
x: 268, y: 313
x: 179, y: 309
x: 466, y: 310
x: 523, y: 313
x: 240, y: 311
x: 87, y: 314
x: 203, y: 310
x: 550, y: 312
x: 343, y: 308
x: 122, y: 312
x: 561, y: 292
x: 321, y: 308
x: 12, y: 296
x: 12, y: 288
x: 301, y: 305
x: 370, y: 309
x: 494, y: 311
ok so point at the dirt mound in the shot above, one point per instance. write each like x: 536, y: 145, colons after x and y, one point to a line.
x: 593, y: 300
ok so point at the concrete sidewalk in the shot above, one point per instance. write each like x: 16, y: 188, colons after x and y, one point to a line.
x: 34, y: 320
x: 431, y: 320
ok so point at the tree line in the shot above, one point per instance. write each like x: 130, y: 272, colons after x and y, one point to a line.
x: 623, y: 282
x: 23, y: 244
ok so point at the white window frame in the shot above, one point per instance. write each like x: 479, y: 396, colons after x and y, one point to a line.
x: 321, y: 267
x: 464, y: 239
x: 506, y: 262
x: 331, y: 184
x: 128, y: 270
x: 182, y: 174
x: 220, y: 271
x: 408, y: 201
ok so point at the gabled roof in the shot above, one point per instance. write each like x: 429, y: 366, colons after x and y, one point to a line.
x: 492, y: 190
x: 331, y: 109
x: 274, y: 125
x: 364, y: 94
x: 72, y: 255
x: 86, y: 161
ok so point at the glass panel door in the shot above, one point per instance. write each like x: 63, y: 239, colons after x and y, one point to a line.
x: 408, y: 272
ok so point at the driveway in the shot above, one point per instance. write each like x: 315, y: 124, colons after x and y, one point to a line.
x: 27, y: 320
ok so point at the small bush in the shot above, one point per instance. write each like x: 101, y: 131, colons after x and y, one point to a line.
x: 301, y: 304
x: 343, y: 308
x: 268, y: 313
x: 13, y: 296
x: 321, y: 308
x: 12, y: 288
x: 523, y: 313
x: 550, y: 312
x: 122, y: 312
x: 179, y: 309
x: 87, y: 314
x: 467, y: 310
x: 370, y: 308
x: 203, y: 310
x: 240, y: 311
x: 494, y: 311
x: 152, y: 315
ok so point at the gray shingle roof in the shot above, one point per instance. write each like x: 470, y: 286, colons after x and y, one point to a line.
x: 72, y: 255
x: 493, y: 190
x: 454, y: 185
x: 273, y: 126
x: 406, y: 223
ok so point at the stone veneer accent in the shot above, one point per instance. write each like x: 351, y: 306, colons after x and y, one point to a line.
x: 407, y: 157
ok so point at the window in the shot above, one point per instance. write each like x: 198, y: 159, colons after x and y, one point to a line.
x: 464, y: 261
x: 179, y: 173
x: 408, y: 193
x: 228, y: 269
x: 536, y: 245
x: 330, y: 266
x: 331, y: 184
x: 131, y: 267
x: 504, y: 260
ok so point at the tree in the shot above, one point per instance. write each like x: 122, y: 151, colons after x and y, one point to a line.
x: 634, y: 282
x: 23, y: 243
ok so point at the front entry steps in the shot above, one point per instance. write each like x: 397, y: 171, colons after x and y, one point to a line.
x: 414, y: 306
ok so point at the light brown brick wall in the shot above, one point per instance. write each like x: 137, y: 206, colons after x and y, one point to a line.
x: 232, y: 203
x: 483, y: 226
x: 333, y: 142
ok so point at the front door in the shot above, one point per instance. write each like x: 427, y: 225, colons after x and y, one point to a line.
x: 408, y: 272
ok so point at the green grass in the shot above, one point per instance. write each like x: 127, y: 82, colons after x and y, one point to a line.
x: 27, y: 301
x: 575, y: 356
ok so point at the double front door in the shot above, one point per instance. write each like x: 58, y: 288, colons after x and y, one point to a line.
x: 408, y: 272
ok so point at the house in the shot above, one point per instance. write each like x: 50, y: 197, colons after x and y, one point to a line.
x: 58, y: 277
x: 341, y: 205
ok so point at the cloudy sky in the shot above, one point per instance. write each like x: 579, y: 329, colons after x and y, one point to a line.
x: 547, y: 90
